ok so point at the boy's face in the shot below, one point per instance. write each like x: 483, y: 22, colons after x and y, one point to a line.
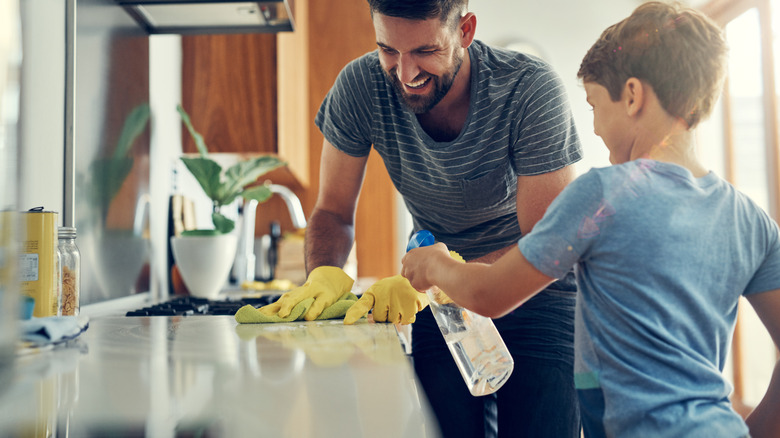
x: 420, y: 57
x: 610, y: 122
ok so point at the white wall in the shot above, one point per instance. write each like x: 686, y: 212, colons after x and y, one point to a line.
x: 564, y: 30
x: 42, y: 124
x: 165, y: 94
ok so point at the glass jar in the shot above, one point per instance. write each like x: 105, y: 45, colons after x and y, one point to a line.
x: 70, y: 261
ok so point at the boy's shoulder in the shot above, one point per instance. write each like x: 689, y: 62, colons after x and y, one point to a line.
x: 642, y: 168
x: 615, y: 172
x: 649, y: 177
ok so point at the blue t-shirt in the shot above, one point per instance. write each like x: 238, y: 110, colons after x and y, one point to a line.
x: 661, y: 259
x: 463, y: 191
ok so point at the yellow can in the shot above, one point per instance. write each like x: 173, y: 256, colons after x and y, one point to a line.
x: 38, y: 262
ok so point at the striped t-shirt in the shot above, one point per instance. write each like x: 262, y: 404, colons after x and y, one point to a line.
x: 463, y: 191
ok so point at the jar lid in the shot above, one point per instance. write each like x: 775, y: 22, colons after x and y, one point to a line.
x: 67, y: 232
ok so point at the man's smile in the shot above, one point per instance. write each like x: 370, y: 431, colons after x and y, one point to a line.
x: 418, y: 84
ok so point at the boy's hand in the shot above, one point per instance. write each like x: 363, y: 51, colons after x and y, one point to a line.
x: 417, y: 263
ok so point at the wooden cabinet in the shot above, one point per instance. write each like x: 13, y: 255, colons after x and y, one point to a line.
x: 328, y: 36
x: 229, y: 90
x: 261, y: 92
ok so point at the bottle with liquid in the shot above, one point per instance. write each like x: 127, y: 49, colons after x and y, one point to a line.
x: 70, y: 268
x: 475, y: 344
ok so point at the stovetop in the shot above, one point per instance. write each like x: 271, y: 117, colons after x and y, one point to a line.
x: 189, y: 305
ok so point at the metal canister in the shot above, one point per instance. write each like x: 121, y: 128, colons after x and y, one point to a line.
x: 39, y: 261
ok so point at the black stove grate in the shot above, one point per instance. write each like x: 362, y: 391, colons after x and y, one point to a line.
x: 188, y: 305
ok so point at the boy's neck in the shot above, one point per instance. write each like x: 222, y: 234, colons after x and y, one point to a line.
x: 672, y: 143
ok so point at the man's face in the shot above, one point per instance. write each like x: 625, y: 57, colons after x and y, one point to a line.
x: 610, y: 122
x: 420, y: 57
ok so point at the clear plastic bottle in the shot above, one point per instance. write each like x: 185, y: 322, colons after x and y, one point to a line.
x: 70, y: 262
x: 475, y: 344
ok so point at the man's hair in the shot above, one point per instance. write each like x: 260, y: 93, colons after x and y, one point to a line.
x: 420, y: 9
x: 677, y: 50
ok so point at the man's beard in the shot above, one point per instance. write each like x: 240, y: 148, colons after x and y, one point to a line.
x: 419, y: 103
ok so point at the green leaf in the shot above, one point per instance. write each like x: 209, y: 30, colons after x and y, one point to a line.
x: 258, y: 193
x: 199, y: 142
x: 246, y: 172
x: 200, y: 233
x: 227, y: 198
x: 223, y: 191
x: 221, y: 223
x: 206, y: 171
x: 224, y: 194
x: 108, y: 177
x: 134, y: 125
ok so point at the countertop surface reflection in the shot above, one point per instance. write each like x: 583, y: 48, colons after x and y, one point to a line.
x: 209, y: 376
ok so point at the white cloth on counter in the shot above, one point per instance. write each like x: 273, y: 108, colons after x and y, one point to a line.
x: 52, y: 329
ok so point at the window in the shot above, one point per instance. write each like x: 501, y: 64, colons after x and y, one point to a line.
x: 740, y: 141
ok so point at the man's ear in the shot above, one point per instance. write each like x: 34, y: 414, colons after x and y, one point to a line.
x: 633, y: 96
x: 468, y: 28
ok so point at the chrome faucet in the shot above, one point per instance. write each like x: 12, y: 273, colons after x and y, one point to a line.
x: 245, y: 263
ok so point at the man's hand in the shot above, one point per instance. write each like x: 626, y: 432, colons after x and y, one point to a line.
x: 393, y: 299
x: 326, y: 284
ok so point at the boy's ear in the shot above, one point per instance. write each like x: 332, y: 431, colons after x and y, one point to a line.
x: 633, y: 96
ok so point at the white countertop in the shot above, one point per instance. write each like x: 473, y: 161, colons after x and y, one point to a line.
x: 208, y: 375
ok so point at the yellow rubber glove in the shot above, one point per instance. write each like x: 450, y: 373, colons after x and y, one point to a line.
x: 393, y: 299
x: 326, y: 284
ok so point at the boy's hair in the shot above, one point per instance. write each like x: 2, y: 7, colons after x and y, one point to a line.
x: 677, y: 50
x: 420, y: 9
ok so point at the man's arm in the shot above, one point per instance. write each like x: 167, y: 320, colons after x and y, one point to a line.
x: 534, y: 195
x: 331, y: 228
x: 536, y: 192
x: 764, y: 421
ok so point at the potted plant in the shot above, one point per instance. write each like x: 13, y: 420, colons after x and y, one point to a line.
x: 204, y: 256
x: 117, y: 252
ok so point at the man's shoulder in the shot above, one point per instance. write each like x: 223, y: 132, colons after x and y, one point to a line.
x: 498, y: 59
x: 366, y: 63
x: 362, y: 73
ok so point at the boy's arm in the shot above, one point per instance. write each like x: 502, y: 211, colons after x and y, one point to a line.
x: 764, y: 420
x: 491, y: 290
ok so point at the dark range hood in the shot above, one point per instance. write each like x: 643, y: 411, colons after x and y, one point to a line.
x: 192, y: 17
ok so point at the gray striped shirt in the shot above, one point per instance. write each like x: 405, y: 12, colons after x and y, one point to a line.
x: 463, y: 191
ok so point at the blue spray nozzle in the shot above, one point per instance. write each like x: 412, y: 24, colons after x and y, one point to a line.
x: 420, y: 239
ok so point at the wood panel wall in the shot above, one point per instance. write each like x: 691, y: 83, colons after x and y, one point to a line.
x: 340, y: 32
x: 260, y: 93
x: 229, y: 89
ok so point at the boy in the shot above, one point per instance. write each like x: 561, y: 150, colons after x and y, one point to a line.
x: 662, y: 248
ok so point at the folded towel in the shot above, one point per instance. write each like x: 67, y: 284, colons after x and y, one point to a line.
x: 250, y: 315
x: 52, y: 329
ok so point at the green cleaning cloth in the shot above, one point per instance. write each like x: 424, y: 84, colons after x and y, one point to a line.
x: 250, y: 315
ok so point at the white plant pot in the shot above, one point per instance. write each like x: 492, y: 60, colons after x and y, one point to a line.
x: 204, y: 262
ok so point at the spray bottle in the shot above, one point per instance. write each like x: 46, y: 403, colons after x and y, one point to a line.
x: 475, y: 344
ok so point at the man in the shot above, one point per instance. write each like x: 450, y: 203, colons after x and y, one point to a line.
x: 478, y: 141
